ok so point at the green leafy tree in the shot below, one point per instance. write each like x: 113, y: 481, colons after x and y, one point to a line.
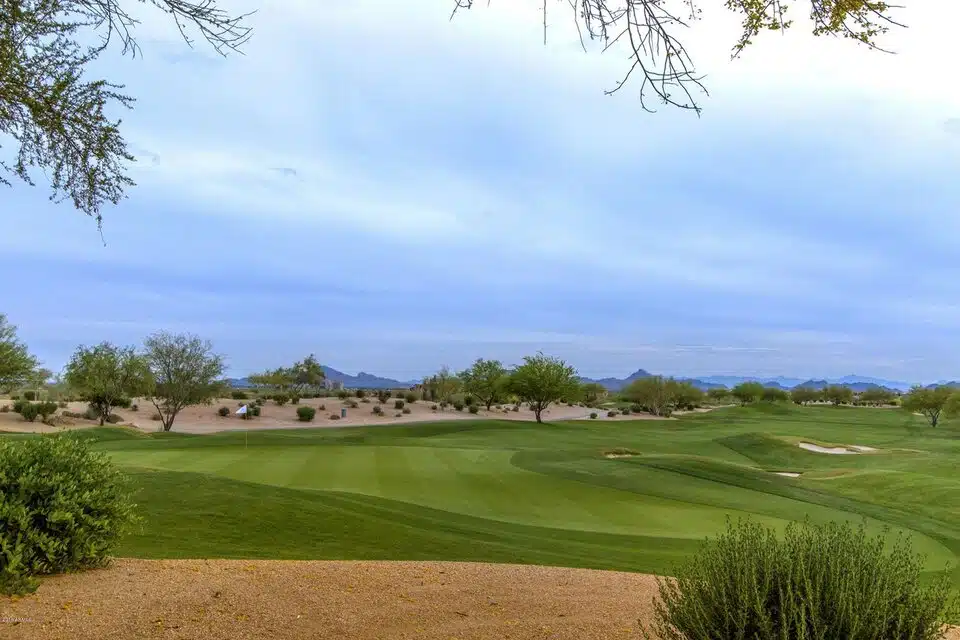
x: 56, y: 113
x: 747, y: 392
x: 656, y: 56
x: 485, y: 380
x: 441, y: 386
x: 876, y: 396
x: 805, y: 395
x: 592, y: 392
x: 542, y: 380
x: 16, y: 363
x: 307, y: 374
x: 686, y: 396
x: 655, y: 394
x: 930, y: 402
x: 39, y: 379
x: 105, y: 375
x: 774, y: 395
x: 838, y: 394
x: 718, y: 394
x: 186, y: 372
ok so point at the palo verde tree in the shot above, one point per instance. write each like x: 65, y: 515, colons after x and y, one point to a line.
x: 16, y: 363
x: 592, y: 392
x: 747, y: 392
x: 185, y: 370
x: 658, y: 59
x: 928, y: 401
x: 485, y: 380
x: 307, y: 374
x: 106, y: 374
x: 59, y: 116
x: 838, y: 394
x: 441, y: 386
x: 656, y: 394
x: 542, y: 380
x: 805, y: 395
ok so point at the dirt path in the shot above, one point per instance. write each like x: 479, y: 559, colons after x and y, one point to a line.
x: 236, y: 599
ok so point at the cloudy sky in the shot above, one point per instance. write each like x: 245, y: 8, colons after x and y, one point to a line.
x: 394, y: 191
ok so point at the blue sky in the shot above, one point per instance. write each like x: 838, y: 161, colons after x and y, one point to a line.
x: 395, y: 192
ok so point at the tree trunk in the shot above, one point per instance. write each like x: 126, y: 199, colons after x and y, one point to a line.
x: 537, y: 410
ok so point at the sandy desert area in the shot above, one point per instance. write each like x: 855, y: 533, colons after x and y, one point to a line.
x: 204, y: 418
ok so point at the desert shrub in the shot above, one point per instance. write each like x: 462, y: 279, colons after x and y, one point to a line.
x: 5, y: 409
x: 444, y: 404
x: 322, y: 407
x: 62, y: 404
x: 611, y: 414
x: 469, y: 400
x: 406, y: 410
x: 434, y: 407
x: 473, y: 409
x: 30, y: 396
x: 223, y: 412
x: 343, y: 394
x: 819, y: 582
x: 46, y: 409
x: 29, y: 411
x: 14, y: 396
x: 281, y: 399
x: 258, y: 402
x: 365, y: 400
x: 156, y: 417
x: 410, y: 397
x: 63, y: 509
x: 113, y: 419
x: 122, y: 403
x: 238, y: 395
x: 458, y: 406
x: 593, y: 415
x: 255, y: 411
x: 18, y: 405
x: 294, y: 399
x: 91, y: 414
x: 334, y: 416
x: 516, y: 407
x: 383, y: 395
x: 306, y: 414
x: 134, y: 407
x: 378, y: 410
x: 76, y: 415
x: 353, y: 404
x: 398, y: 404
x: 636, y: 408
x: 361, y: 393
x: 397, y: 415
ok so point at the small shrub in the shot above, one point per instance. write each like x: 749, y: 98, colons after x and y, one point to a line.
x: 156, y: 417
x: 469, y: 400
x: 63, y: 405
x: 29, y: 411
x: 91, y: 414
x: 29, y: 396
x: 378, y: 410
x: 397, y: 415
x: 611, y: 414
x: 334, y: 416
x: 434, y: 407
x: 5, y: 409
x: 636, y: 408
x: 18, y: 405
x: 444, y: 404
x: 343, y: 394
x: 406, y: 410
x: 64, y: 509
x: 383, y: 395
x: 458, y: 405
x: 593, y: 416
x: 361, y: 393
x: 113, y: 419
x: 46, y: 409
x: 365, y: 400
x: 819, y: 582
x: 238, y: 395
x: 410, y: 397
x: 294, y: 399
x: 255, y: 411
x: 322, y: 407
x: 258, y: 402
x: 75, y: 415
x: 281, y: 399
x: 353, y: 404
x: 474, y: 409
x: 516, y: 407
x: 223, y: 412
x: 134, y: 407
x: 398, y: 405
x: 14, y: 396
x: 306, y: 414
x: 625, y: 412
x: 122, y: 403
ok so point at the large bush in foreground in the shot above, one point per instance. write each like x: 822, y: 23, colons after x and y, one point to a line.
x: 62, y: 508
x: 817, y: 582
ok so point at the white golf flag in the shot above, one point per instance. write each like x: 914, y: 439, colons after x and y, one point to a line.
x: 242, y: 411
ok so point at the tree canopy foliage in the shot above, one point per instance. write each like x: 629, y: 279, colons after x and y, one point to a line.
x: 542, y: 380
x: 56, y: 114
x: 485, y: 380
x: 185, y: 370
x: 106, y: 374
x: 648, y: 29
x: 16, y: 363
x: 928, y: 401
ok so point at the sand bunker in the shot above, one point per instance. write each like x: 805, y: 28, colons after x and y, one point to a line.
x: 620, y: 453
x: 787, y: 474
x: 849, y: 450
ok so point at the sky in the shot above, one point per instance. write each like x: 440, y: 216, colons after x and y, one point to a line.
x: 395, y: 191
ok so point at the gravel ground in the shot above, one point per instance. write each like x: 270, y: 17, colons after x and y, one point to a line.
x: 236, y: 599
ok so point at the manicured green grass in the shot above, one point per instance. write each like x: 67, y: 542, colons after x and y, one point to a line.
x: 545, y: 494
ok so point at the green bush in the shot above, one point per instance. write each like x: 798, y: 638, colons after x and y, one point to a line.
x: 434, y: 408
x: 473, y: 409
x: 353, y: 404
x: 636, y: 408
x: 113, y: 419
x: 62, y: 508
x: 469, y: 400
x: 383, y: 395
x: 18, y: 405
x: 14, y: 397
x: 343, y: 394
x: 377, y: 410
x: 30, y: 396
x: 819, y: 582
x: 134, y: 407
x: 611, y: 414
x: 294, y: 399
x: 63, y: 405
x: 593, y: 415
x: 516, y: 407
x: 46, y: 409
x: 365, y: 400
x: 361, y: 393
x: 334, y: 416
x: 238, y: 395
x: 281, y: 399
x: 29, y: 411
x: 258, y: 402
x: 398, y: 404
x: 306, y: 414
x: 458, y: 405
x: 76, y: 415
x: 410, y: 397
x: 156, y: 417
x: 322, y: 407
x: 223, y: 412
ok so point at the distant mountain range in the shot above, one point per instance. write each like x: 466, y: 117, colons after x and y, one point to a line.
x: 365, y: 380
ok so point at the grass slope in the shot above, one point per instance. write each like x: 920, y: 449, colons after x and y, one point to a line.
x: 545, y: 494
